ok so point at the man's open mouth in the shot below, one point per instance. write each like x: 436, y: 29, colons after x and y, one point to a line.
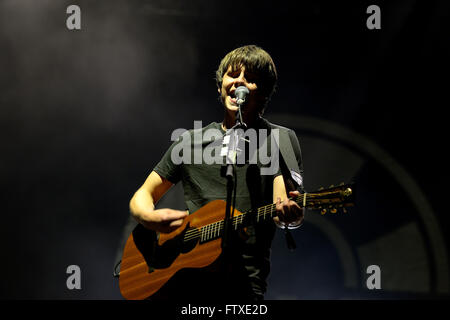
x: 232, y: 96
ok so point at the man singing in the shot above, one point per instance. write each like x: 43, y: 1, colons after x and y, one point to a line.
x: 243, y: 272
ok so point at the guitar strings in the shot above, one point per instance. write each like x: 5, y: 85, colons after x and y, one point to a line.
x: 209, y: 231
x: 212, y: 230
x: 217, y: 226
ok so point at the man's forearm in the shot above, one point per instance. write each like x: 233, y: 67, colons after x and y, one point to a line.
x: 141, y: 203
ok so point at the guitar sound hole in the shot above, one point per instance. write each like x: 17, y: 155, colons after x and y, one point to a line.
x: 190, y: 240
x: 166, y: 254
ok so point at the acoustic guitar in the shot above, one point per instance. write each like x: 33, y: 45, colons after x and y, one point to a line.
x: 150, y: 259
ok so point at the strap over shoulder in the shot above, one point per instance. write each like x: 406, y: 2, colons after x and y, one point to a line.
x: 291, y: 167
x: 291, y: 164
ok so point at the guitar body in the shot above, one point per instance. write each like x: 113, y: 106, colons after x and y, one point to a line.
x: 149, y: 261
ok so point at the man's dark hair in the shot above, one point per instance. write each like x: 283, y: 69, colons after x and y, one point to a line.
x: 257, y: 61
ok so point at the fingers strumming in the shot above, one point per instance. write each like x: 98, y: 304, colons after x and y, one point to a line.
x: 173, y: 215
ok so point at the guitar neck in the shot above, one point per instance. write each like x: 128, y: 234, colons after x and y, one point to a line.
x: 267, y: 212
x: 330, y: 198
x: 215, y: 230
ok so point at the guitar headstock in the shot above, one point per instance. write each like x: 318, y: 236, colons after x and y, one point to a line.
x: 331, y: 199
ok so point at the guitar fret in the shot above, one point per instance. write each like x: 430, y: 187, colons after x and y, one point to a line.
x: 209, y: 231
x: 213, y: 231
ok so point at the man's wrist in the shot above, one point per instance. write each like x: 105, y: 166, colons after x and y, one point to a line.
x: 291, y: 225
x: 295, y: 224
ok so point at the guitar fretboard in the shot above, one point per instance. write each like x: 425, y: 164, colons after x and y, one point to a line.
x: 328, y: 198
x: 214, y: 230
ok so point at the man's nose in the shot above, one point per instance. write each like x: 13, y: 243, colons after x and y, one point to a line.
x: 239, y: 81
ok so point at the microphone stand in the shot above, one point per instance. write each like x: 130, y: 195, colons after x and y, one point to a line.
x: 235, y: 137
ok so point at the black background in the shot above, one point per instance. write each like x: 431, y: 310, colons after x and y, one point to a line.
x: 85, y: 115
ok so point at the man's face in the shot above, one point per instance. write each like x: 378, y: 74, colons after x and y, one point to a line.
x: 236, y: 78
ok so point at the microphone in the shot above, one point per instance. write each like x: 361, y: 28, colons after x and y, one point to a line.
x: 241, y: 94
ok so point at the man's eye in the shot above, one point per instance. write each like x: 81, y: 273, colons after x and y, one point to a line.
x: 251, y: 78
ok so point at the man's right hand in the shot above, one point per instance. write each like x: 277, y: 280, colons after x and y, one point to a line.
x: 163, y: 220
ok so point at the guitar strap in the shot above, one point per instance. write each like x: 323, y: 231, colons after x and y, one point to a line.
x: 289, y: 164
x: 292, y: 173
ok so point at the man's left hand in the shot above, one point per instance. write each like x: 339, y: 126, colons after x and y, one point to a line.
x: 289, y: 212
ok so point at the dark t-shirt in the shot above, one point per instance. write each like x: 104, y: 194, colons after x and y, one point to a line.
x: 203, y: 183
